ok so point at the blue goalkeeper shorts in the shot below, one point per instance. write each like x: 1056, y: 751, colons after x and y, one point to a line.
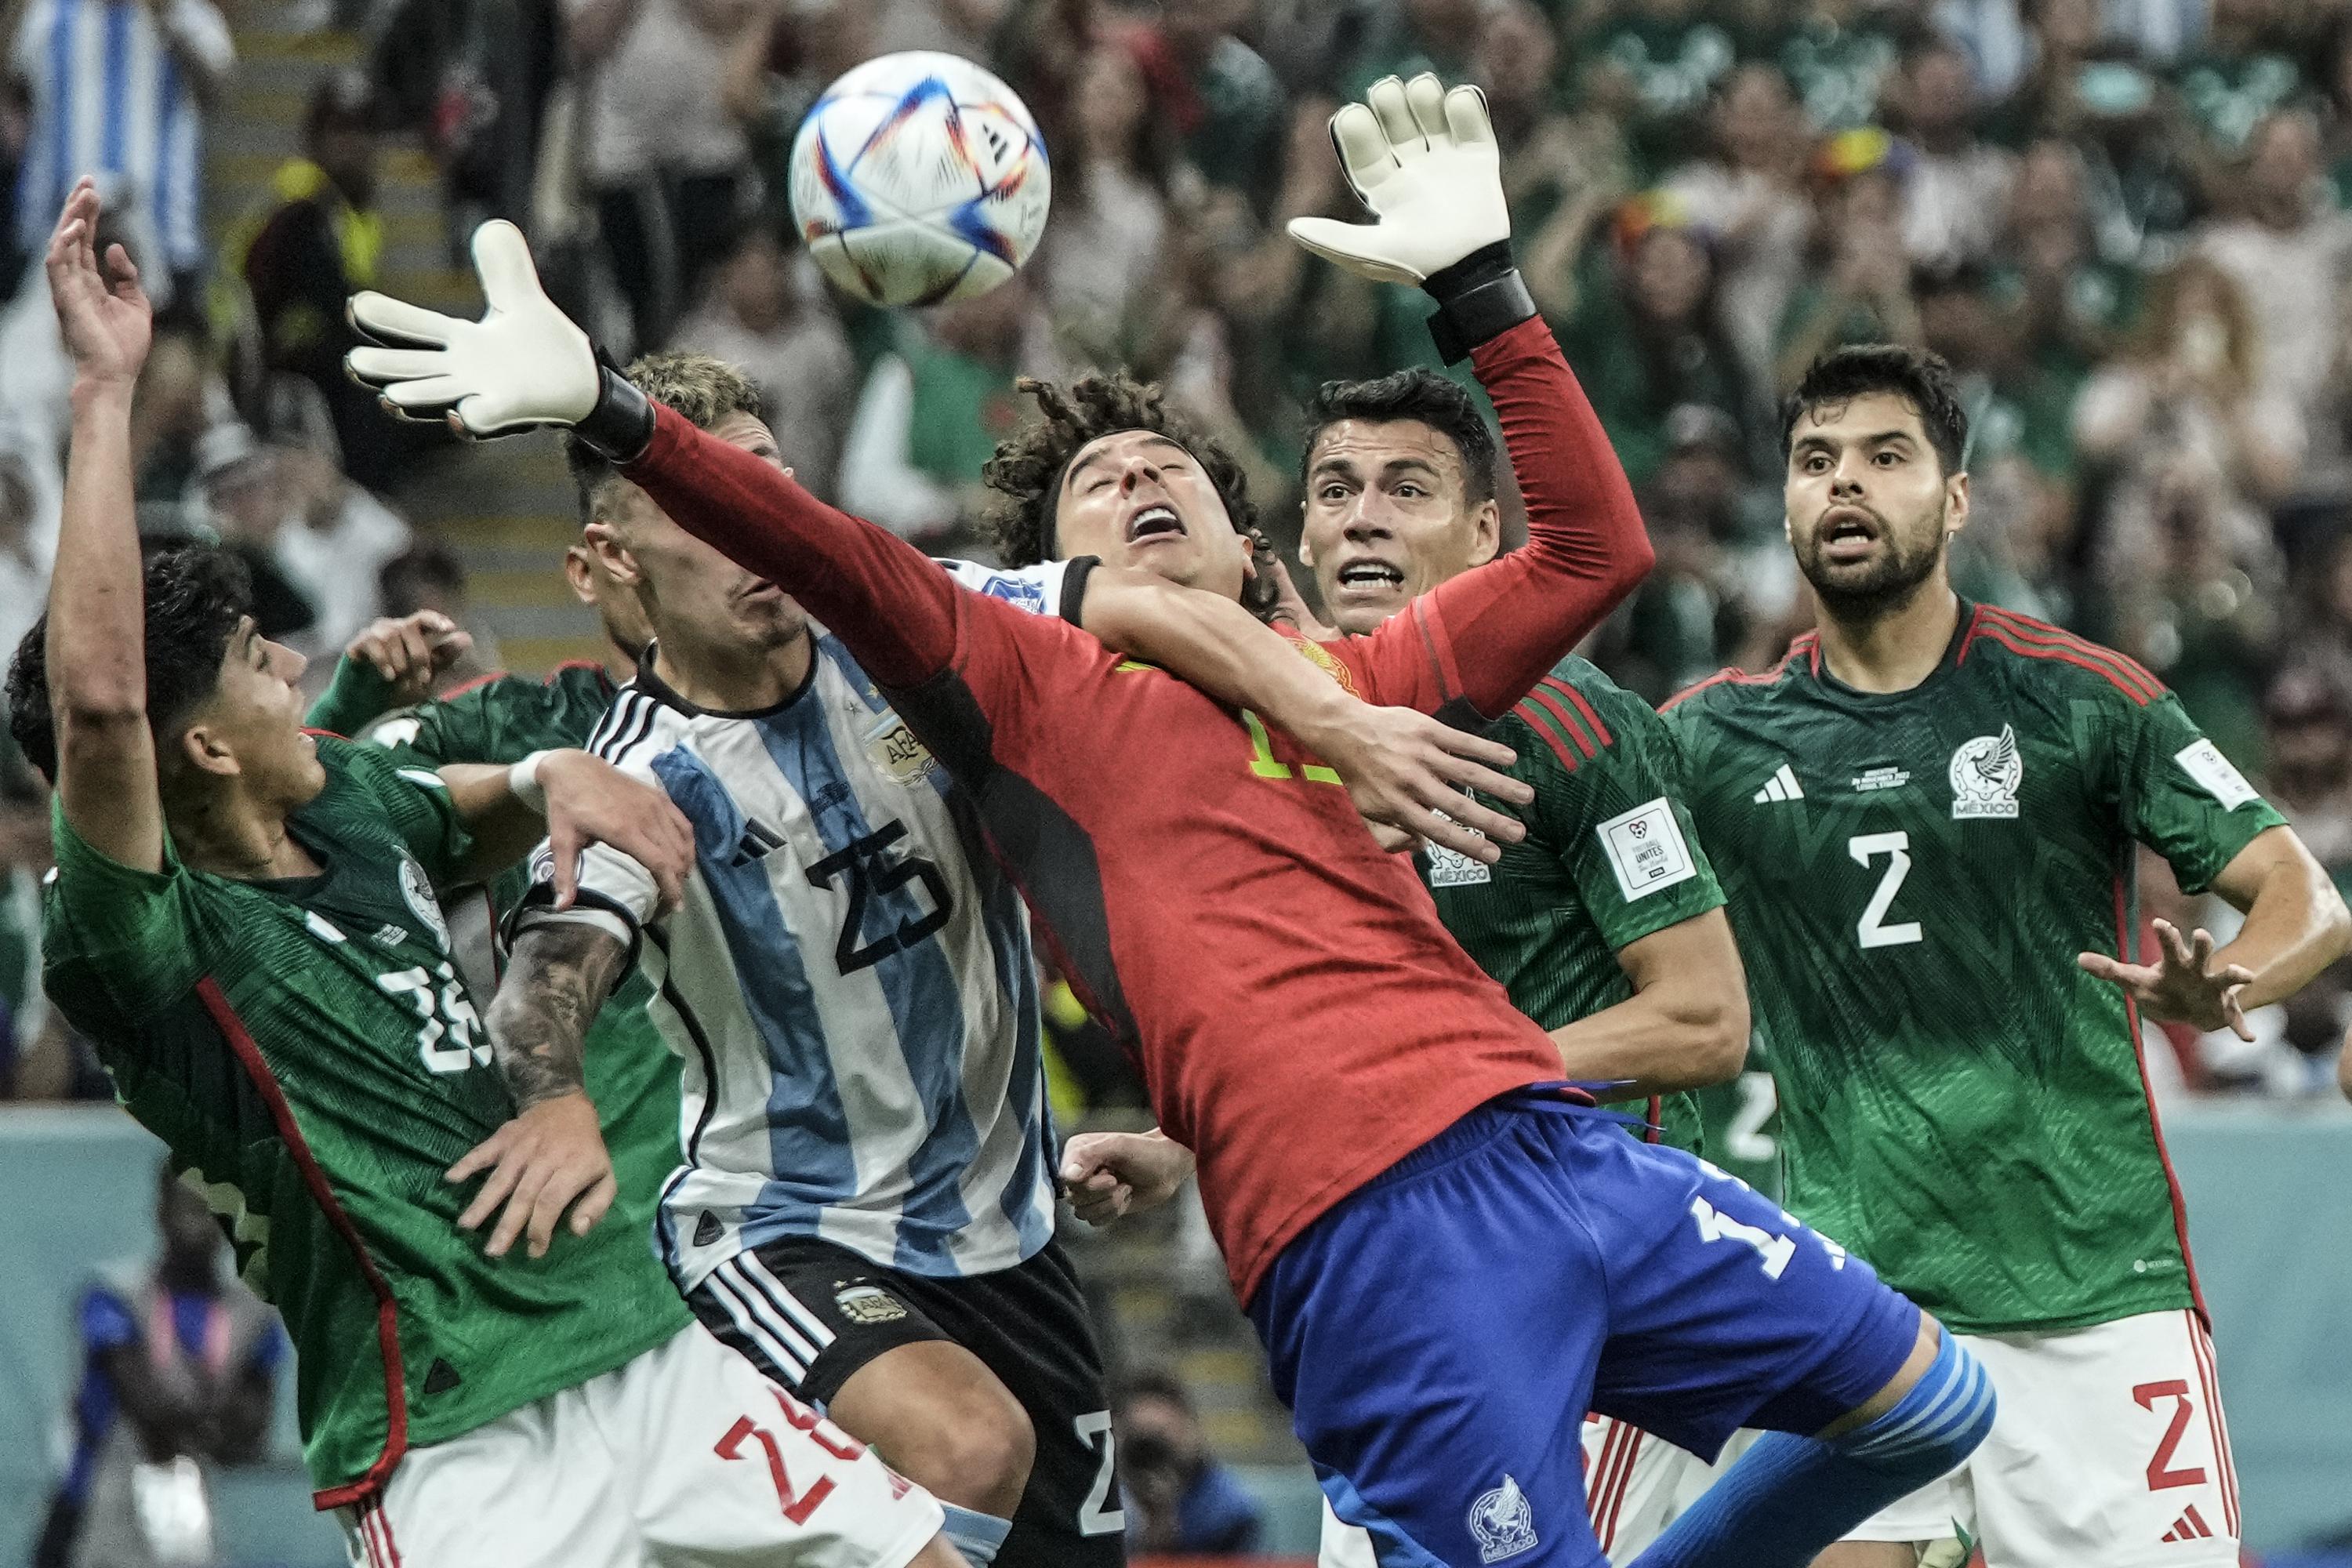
x: 1440, y: 1334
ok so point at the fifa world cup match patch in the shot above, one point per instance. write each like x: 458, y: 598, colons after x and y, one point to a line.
x: 2215, y: 774
x: 1646, y: 848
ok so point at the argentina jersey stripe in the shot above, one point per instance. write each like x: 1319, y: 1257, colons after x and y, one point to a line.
x: 848, y: 982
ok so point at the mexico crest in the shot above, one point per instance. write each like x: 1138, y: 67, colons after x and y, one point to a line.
x: 1502, y: 1522
x: 1986, y: 773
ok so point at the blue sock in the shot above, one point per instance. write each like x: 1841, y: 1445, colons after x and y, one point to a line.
x: 1789, y: 1497
x: 979, y: 1536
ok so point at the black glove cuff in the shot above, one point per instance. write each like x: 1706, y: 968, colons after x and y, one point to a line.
x: 621, y: 425
x: 1480, y: 296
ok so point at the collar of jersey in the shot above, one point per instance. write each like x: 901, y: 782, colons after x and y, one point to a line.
x: 1831, y: 686
x: 661, y: 691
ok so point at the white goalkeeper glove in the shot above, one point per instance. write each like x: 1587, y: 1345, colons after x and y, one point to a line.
x: 524, y: 363
x: 1424, y: 161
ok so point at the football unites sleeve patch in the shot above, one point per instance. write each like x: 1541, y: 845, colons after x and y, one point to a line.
x: 1646, y: 848
x: 2216, y: 775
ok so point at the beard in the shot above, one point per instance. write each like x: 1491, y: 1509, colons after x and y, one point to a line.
x: 1864, y: 593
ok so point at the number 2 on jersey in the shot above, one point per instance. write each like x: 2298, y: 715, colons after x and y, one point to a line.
x: 1872, y: 930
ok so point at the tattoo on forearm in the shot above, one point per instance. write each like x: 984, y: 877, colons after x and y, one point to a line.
x: 539, y: 1020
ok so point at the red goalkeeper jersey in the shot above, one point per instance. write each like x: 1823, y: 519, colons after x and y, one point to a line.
x: 1301, y: 1019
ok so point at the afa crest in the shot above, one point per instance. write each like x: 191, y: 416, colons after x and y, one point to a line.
x: 1986, y: 773
x: 1503, y: 1522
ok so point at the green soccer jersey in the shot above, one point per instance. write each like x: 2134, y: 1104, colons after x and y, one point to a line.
x: 1608, y: 859
x: 1911, y: 876
x: 631, y: 1074
x: 308, y: 1050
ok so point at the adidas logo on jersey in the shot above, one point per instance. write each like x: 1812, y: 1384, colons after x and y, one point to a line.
x: 757, y: 840
x: 1782, y: 785
x: 2189, y: 1526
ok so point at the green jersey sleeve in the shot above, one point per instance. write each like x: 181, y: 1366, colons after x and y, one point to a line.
x: 1612, y: 810
x: 124, y: 936
x: 2179, y: 795
x: 416, y: 804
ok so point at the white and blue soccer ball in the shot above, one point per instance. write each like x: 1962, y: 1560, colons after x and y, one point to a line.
x: 920, y: 178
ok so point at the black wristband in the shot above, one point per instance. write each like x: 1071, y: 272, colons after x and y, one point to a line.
x: 621, y: 425
x: 1480, y: 296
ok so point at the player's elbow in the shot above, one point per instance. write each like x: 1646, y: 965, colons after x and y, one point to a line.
x: 1631, y: 563
x: 2335, y: 921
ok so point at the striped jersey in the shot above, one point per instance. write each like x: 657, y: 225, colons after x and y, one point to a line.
x: 109, y: 99
x: 1911, y: 875
x: 848, y: 982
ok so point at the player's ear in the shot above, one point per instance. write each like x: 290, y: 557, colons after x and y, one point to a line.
x: 1956, y: 501
x: 1488, y: 523
x: 203, y: 747
x: 606, y: 542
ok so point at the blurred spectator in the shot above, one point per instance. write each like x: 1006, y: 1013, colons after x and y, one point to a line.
x: 240, y: 495
x: 2234, y: 78
x: 23, y: 578
x: 2185, y: 384
x: 179, y: 1373
x: 2323, y: 628
x: 766, y: 313
x: 1406, y: 37
x: 2046, y: 99
x: 664, y: 161
x: 1839, y: 55
x: 2066, y: 308
x: 2308, y: 716
x: 1215, y: 94
x: 119, y: 88
x: 1957, y: 189
x: 15, y: 141
x: 1749, y: 194
x: 472, y: 78
x: 32, y: 1047
x: 1670, y: 54
x: 321, y: 244
x: 778, y: 64
x: 334, y: 541
x: 1707, y: 579
x: 933, y: 409
x: 2288, y: 254
x: 1861, y: 292
x: 1650, y: 341
x: 1106, y: 246
x: 1181, y: 1499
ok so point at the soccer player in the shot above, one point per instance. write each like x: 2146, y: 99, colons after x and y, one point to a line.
x: 243, y: 920
x: 1604, y: 924
x: 1449, y: 1258
x: 868, y: 1206
x: 376, y: 696
x: 1922, y: 818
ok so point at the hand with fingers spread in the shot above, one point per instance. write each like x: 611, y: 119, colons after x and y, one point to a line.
x: 410, y: 653
x: 589, y: 801
x: 2184, y: 987
x: 524, y: 363
x: 1108, y: 1174
x: 1414, y: 773
x: 1424, y: 161
x: 548, y: 1160
x: 1290, y: 606
x: 103, y: 312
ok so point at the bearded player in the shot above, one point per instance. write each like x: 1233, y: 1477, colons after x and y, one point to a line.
x: 1924, y: 819
x: 1378, y: 1131
x: 244, y: 919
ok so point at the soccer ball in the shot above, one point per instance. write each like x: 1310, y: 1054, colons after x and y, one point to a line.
x: 918, y: 178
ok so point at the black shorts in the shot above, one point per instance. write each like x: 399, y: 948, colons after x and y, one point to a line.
x: 809, y: 1313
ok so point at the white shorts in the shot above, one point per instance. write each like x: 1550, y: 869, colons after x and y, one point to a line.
x: 1636, y: 1484
x: 2108, y: 1451
x: 685, y: 1455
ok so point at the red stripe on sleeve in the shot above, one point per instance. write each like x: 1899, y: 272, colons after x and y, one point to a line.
x: 2127, y: 674
x: 1592, y: 719
x: 2002, y: 634
x: 1543, y: 699
x: 1533, y: 717
x: 476, y: 684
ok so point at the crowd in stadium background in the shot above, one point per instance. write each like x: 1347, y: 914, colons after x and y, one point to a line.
x: 2123, y: 221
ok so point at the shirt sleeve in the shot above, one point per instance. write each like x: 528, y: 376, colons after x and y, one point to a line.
x: 416, y: 804
x: 2179, y: 795
x: 1608, y: 803
x: 107, y: 1323
x: 1471, y: 647
x: 615, y: 893
x: 129, y: 934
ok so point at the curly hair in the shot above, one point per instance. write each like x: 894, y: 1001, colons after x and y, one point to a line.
x: 702, y: 387
x: 196, y: 595
x: 1026, y: 471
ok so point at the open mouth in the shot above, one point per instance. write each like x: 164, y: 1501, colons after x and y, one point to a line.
x: 1848, y: 532
x: 1154, y: 522
x: 1371, y: 577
